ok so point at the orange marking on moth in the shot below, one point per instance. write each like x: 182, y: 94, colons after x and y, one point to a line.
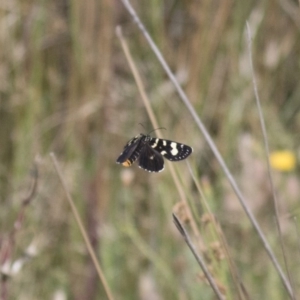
x: 126, y: 163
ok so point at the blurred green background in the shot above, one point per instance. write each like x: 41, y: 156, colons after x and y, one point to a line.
x: 66, y: 87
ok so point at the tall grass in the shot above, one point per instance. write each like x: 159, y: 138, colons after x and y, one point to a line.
x: 66, y: 87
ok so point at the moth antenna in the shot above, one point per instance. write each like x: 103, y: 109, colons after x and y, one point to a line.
x: 142, y: 125
x: 157, y: 129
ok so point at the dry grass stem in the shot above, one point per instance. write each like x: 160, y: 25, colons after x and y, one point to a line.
x: 267, y: 155
x: 82, y: 229
x: 198, y: 257
x: 155, y: 124
x: 243, y: 294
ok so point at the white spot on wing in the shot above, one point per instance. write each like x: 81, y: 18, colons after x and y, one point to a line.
x: 155, y: 143
x: 174, y: 150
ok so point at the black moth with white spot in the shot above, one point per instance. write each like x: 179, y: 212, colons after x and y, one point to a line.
x: 150, y: 151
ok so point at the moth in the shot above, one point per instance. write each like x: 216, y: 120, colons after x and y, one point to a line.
x: 150, y: 151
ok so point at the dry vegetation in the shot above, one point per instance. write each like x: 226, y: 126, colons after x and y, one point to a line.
x: 66, y: 87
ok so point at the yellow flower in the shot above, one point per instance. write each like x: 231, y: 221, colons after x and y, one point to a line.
x: 283, y: 160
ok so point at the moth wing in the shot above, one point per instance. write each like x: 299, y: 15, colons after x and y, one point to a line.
x: 171, y: 150
x: 151, y: 160
x: 131, y: 151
